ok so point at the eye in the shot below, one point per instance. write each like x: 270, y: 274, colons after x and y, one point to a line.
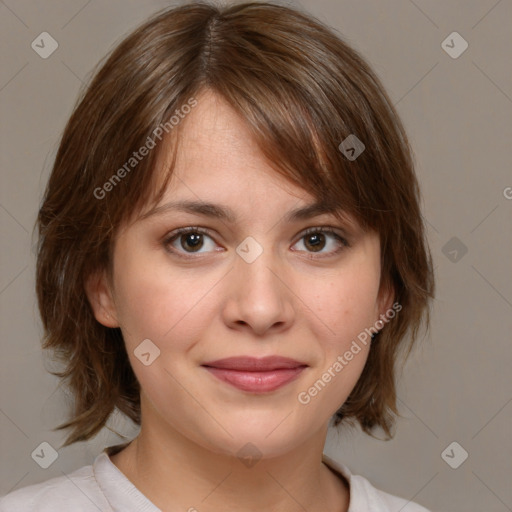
x: 195, y: 240
x: 189, y: 240
x: 316, y: 239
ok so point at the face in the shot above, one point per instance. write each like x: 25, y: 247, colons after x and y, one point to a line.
x: 255, y: 284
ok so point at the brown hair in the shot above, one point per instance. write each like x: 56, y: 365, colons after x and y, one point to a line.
x: 302, y: 91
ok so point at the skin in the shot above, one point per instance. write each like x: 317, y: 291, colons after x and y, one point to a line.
x: 291, y: 301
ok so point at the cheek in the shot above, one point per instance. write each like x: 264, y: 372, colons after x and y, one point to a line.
x: 342, y: 311
x: 157, y: 302
x: 344, y: 304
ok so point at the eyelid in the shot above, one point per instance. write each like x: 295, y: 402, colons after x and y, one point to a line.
x: 176, y: 233
x: 326, y: 229
x: 337, y: 232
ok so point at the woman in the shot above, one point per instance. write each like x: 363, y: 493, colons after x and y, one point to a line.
x: 232, y: 254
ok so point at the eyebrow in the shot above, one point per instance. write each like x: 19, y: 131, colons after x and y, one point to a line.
x: 223, y: 213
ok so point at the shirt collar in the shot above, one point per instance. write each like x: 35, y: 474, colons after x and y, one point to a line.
x: 123, y: 496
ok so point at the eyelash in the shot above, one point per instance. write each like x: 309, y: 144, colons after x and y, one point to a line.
x: 198, y: 230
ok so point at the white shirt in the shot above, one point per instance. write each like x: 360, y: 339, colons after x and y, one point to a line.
x: 102, y: 487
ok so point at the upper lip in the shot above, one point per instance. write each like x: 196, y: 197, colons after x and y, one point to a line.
x: 254, y: 364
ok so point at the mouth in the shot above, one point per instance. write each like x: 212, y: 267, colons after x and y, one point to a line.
x: 256, y: 375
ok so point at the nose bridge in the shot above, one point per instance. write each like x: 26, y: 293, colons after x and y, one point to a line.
x: 258, y: 275
x: 258, y: 296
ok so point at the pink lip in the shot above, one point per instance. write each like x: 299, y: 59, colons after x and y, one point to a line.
x: 256, y: 375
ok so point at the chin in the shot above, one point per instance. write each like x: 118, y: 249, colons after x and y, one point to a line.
x: 257, y: 439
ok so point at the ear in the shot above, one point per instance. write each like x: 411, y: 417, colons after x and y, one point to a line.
x: 385, y: 298
x: 100, y: 295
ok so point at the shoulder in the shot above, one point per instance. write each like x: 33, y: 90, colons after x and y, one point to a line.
x: 380, y: 501
x: 364, y: 496
x: 77, y: 491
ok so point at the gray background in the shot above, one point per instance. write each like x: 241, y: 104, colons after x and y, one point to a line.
x: 457, y: 112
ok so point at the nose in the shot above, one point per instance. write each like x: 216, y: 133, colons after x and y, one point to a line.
x: 259, y: 298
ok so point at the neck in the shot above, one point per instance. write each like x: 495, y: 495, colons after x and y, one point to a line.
x: 176, y: 473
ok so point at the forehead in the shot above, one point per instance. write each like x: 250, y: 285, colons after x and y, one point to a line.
x: 218, y: 170
x: 213, y: 135
x: 216, y: 156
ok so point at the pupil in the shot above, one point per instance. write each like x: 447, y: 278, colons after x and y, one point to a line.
x: 192, y: 240
x: 318, y: 244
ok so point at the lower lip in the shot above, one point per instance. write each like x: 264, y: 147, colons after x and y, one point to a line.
x: 257, y: 382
